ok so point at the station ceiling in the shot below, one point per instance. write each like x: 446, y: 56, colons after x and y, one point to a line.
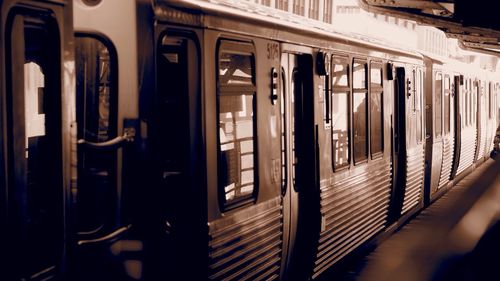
x: 475, y: 23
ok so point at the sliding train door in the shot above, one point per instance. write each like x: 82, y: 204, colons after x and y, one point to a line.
x: 300, y: 208
x: 105, y: 201
x: 448, y: 129
x: 408, y: 142
x: 35, y: 145
x: 458, y: 117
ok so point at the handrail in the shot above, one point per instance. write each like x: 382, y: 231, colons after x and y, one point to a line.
x: 128, y: 136
x: 106, y: 238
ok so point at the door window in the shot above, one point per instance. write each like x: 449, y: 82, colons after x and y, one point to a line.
x: 237, y: 157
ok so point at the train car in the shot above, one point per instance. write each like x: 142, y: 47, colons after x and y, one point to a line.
x: 453, y: 141
x: 292, y: 151
x: 262, y: 149
x: 37, y: 122
x: 219, y: 141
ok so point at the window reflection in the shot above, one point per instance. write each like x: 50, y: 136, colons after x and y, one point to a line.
x: 447, y: 104
x: 33, y: 101
x: 96, y: 87
x: 359, y: 75
x: 236, y: 155
x: 359, y: 111
x: 359, y: 127
x: 340, y: 132
x: 340, y: 112
x: 376, y: 110
x: 340, y: 76
x: 438, y: 88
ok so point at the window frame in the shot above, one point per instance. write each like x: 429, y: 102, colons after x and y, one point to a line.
x: 246, y: 48
x: 447, y: 104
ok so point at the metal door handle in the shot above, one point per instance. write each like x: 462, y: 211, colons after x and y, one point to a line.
x: 128, y: 136
x: 106, y: 238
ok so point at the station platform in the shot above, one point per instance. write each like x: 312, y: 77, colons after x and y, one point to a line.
x: 456, y: 238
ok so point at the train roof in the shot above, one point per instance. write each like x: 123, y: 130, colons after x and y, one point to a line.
x: 196, y: 11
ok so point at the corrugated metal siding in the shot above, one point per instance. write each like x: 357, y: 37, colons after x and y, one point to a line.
x: 353, y: 210
x: 248, y: 244
x: 467, y: 149
x: 447, y: 161
x: 414, y: 178
x: 482, y: 143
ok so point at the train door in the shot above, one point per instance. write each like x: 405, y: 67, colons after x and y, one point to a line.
x: 447, y: 132
x: 178, y: 220
x: 480, y: 118
x: 106, y: 245
x: 458, y: 121
x: 300, y: 213
x: 408, y: 143
x: 34, y: 146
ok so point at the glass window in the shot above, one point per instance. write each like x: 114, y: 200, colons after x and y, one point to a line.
x: 340, y: 76
x: 490, y: 100
x: 235, y: 69
x: 438, y: 88
x: 236, y: 107
x: 340, y: 129
x: 376, y: 112
x: 96, y: 95
x: 418, y: 103
x: 359, y: 111
x: 359, y: 75
x: 340, y: 113
x: 447, y: 99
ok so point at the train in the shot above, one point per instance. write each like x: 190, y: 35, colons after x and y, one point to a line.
x: 218, y: 140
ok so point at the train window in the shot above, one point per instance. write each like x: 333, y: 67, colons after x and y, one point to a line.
x: 359, y: 111
x: 490, y: 100
x: 340, y: 77
x: 438, y: 88
x: 475, y: 95
x: 376, y: 110
x: 284, y: 160
x: 418, y: 102
x: 236, y: 119
x: 340, y: 112
x: 469, y: 102
x: 96, y: 110
x: 446, y: 102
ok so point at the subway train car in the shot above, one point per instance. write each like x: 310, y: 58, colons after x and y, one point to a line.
x: 37, y: 121
x: 459, y: 135
x: 218, y: 140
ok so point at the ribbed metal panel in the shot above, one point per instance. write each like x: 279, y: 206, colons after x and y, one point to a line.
x: 353, y: 210
x: 414, y: 178
x: 482, y: 144
x: 467, y: 149
x: 248, y: 244
x: 447, y: 162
